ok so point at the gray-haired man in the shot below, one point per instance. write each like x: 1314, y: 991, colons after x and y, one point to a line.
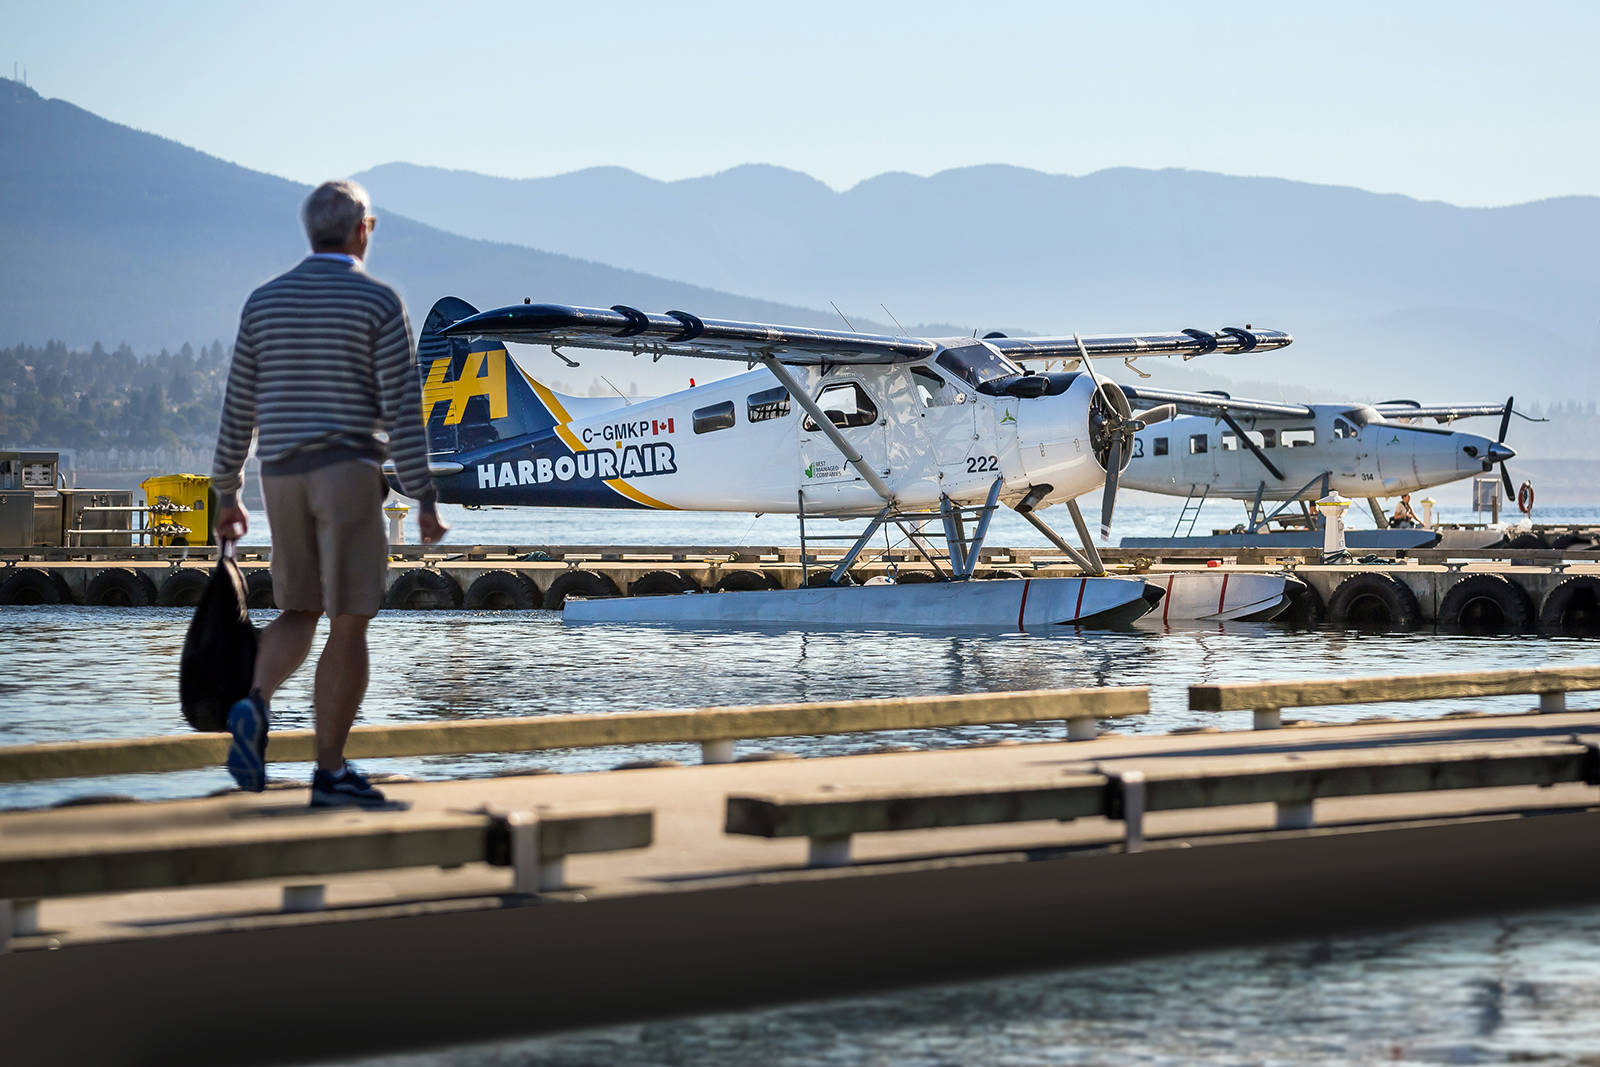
x: 323, y: 364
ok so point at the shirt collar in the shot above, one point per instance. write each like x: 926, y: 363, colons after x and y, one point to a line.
x: 342, y: 257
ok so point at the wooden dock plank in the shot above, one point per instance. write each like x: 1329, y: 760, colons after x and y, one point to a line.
x: 1246, y: 696
x: 87, y: 758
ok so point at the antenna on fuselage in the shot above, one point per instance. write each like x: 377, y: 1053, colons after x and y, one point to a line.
x: 889, y: 313
x: 847, y: 322
x: 614, y: 389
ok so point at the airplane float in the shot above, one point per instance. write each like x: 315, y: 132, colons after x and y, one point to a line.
x: 1260, y: 451
x: 902, y: 432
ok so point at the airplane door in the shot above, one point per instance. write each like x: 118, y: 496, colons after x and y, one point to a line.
x: 827, y: 480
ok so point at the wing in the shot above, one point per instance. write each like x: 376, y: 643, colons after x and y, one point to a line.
x: 1215, y: 403
x: 1188, y: 343
x: 1405, y: 409
x: 626, y: 329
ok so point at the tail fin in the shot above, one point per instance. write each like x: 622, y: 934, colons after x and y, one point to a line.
x: 473, y: 394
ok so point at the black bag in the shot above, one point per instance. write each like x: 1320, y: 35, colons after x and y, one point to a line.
x: 219, y: 653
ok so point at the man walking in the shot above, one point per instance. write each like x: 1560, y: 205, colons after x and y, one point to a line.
x: 323, y: 364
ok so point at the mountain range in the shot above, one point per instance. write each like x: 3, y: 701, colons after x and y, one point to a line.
x: 1433, y: 298
x: 112, y: 234
x: 116, y: 234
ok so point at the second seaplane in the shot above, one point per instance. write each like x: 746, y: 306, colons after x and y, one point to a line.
x: 917, y: 434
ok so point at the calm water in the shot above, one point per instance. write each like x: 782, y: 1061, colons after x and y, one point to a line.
x: 1525, y: 988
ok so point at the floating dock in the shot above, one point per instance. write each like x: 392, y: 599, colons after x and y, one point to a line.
x: 498, y: 907
x: 1502, y: 590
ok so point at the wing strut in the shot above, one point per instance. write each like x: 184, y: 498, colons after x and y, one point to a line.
x: 809, y: 405
x: 1244, y: 438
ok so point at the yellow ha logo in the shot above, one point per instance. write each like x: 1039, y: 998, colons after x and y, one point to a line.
x: 483, y: 375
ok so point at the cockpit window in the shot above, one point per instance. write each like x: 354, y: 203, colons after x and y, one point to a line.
x: 846, y: 404
x: 1343, y: 430
x: 976, y: 364
x: 930, y: 387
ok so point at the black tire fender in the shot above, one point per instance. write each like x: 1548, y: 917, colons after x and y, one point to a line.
x: 915, y: 577
x: 121, y: 587
x: 30, y: 586
x: 423, y: 589
x: 745, y: 582
x: 182, y: 588
x: 1306, y: 610
x: 1485, y: 603
x: 502, y: 591
x: 258, y: 590
x: 1374, y: 601
x: 994, y: 575
x: 582, y: 583
x: 1572, y: 608
x: 662, y: 583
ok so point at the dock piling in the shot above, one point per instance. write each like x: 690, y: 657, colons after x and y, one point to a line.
x: 1267, y: 718
x: 1296, y: 816
x: 1553, y: 701
x: 304, y: 898
x: 1130, y: 787
x: 832, y: 850
x: 716, y: 751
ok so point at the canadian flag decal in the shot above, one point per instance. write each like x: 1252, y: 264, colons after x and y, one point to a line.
x: 658, y: 426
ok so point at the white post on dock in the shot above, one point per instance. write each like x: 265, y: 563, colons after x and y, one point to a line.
x: 396, y: 512
x: 1333, y: 508
x: 1427, y: 511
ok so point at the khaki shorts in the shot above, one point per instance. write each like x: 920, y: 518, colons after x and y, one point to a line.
x: 329, y: 549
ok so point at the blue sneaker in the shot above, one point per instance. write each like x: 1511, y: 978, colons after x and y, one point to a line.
x: 350, y: 789
x: 247, y: 755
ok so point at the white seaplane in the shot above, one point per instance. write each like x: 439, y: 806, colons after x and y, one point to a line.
x: 902, y: 432
x: 1261, y: 451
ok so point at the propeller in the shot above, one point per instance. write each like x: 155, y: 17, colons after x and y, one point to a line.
x: 1112, y: 424
x: 1499, y: 453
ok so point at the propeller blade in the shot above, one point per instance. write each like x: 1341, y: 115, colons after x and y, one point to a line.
x: 1505, y: 421
x: 1160, y: 413
x: 1083, y: 355
x: 1108, y: 497
x: 1511, y: 490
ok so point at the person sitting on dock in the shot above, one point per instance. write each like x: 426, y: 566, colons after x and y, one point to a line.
x: 323, y: 364
x: 1404, y: 518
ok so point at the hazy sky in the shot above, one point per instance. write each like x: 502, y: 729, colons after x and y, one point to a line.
x: 1474, y: 103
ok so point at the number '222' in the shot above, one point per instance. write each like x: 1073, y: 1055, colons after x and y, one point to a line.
x: 978, y: 464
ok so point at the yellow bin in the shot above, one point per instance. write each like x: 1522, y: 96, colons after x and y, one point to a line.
x: 180, y: 508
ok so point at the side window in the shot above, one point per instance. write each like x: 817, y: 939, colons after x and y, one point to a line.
x: 1197, y: 444
x: 846, y: 404
x: 1161, y: 446
x: 1269, y: 439
x: 1230, y: 443
x: 1342, y: 430
x: 930, y: 387
x: 714, y: 417
x: 767, y: 404
x: 1257, y: 436
x: 1298, y: 438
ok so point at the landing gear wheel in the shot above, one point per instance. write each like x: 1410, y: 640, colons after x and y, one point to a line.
x: 1572, y: 608
x: 1374, y: 602
x: 745, y: 582
x: 1485, y: 604
x: 34, y: 587
x: 578, y: 583
x: 502, y: 591
x: 663, y: 583
x: 119, y: 587
x: 423, y: 589
x: 183, y: 588
x: 258, y: 590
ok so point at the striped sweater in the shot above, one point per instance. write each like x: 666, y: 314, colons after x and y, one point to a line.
x: 324, y: 361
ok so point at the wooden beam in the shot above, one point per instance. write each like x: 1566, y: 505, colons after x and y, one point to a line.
x: 86, y: 758
x: 950, y: 804
x: 1245, y: 696
x: 49, y: 854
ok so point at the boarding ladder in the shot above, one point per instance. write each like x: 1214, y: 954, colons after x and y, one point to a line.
x: 1191, y: 510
